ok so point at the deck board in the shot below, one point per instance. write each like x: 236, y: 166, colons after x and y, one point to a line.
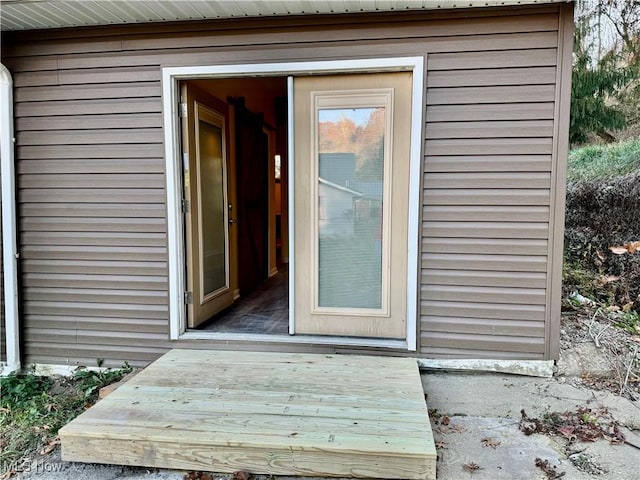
x: 266, y: 413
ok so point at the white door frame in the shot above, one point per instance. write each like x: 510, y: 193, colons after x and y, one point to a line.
x: 175, y: 243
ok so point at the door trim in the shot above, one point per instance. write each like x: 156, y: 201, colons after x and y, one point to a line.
x: 173, y: 162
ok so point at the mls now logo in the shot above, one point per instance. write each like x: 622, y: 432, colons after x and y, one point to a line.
x: 39, y: 466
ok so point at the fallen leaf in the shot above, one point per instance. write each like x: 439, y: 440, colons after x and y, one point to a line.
x: 444, y: 420
x: 50, y: 447
x: 529, y: 426
x: 490, y: 442
x: 627, y: 307
x: 458, y: 428
x: 633, y: 247
x: 471, y: 467
x: 618, y: 250
x: 568, y: 432
x: 600, y: 255
x: 241, y: 475
x: 549, y: 470
x: 615, y: 434
x: 441, y: 445
x: 605, y: 279
x: 8, y: 474
x: 197, y: 476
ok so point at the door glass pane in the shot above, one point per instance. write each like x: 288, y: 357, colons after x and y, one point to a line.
x: 350, y: 193
x: 212, y: 195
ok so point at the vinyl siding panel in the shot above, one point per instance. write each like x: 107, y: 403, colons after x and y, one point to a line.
x: 90, y: 164
x: 486, y: 212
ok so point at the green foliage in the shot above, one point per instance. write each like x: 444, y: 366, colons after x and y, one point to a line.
x: 604, y: 90
x: 630, y: 322
x: 90, y: 382
x: 604, y: 161
x: 577, y: 278
x: 592, y: 88
x: 16, y: 388
x: 33, y: 408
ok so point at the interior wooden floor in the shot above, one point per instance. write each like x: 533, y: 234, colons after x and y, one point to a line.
x: 263, y: 311
x: 265, y: 413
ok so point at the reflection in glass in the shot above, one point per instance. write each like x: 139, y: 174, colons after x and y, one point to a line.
x: 212, y: 207
x: 350, y: 193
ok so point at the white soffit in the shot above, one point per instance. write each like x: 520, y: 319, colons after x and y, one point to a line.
x: 44, y: 14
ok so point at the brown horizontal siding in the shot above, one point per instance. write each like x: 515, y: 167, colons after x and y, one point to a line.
x: 88, y: 151
x: 485, y: 326
x: 84, y: 122
x: 489, y: 112
x: 84, y: 77
x: 485, y: 229
x: 491, y: 129
x: 489, y: 246
x: 72, y: 252
x: 482, y: 294
x: 486, y: 212
x: 489, y: 146
x: 87, y: 107
x: 100, y: 295
x: 488, y: 94
x: 494, y: 342
x: 66, y: 348
x: 489, y: 354
x: 94, y: 180
x: 493, y: 180
x: 445, y: 213
x: 97, y: 195
x: 91, y: 308
x: 507, y: 278
x: 93, y: 91
x: 93, y: 238
x: 458, y: 308
x: 91, y: 267
x: 143, y: 210
x: 115, y: 282
x: 96, y: 323
x: 485, y: 77
x: 90, y: 137
x: 92, y: 166
x: 93, y: 224
x: 486, y: 196
x: 91, y: 190
x: 487, y: 163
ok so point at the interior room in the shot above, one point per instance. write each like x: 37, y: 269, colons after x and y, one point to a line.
x: 255, y: 256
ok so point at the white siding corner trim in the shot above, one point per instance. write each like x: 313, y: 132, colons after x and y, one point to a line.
x: 9, y: 243
x: 170, y: 99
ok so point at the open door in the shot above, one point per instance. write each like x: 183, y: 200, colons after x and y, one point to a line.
x: 351, y: 193
x: 208, y: 174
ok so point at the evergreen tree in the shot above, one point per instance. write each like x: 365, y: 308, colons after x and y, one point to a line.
x: 595, y: 86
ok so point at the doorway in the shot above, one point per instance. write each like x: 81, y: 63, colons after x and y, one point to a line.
x: 233, y: 133
x: 331, y: 299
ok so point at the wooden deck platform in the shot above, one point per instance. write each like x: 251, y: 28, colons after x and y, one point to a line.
x: 270, y: 413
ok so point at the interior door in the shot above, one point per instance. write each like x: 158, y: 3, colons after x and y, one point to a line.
x: 209, y: 206
x: 252, y: 185
x: 352, y: 147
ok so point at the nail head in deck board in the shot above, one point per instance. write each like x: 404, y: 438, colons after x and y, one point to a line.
x: 271, y: 413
